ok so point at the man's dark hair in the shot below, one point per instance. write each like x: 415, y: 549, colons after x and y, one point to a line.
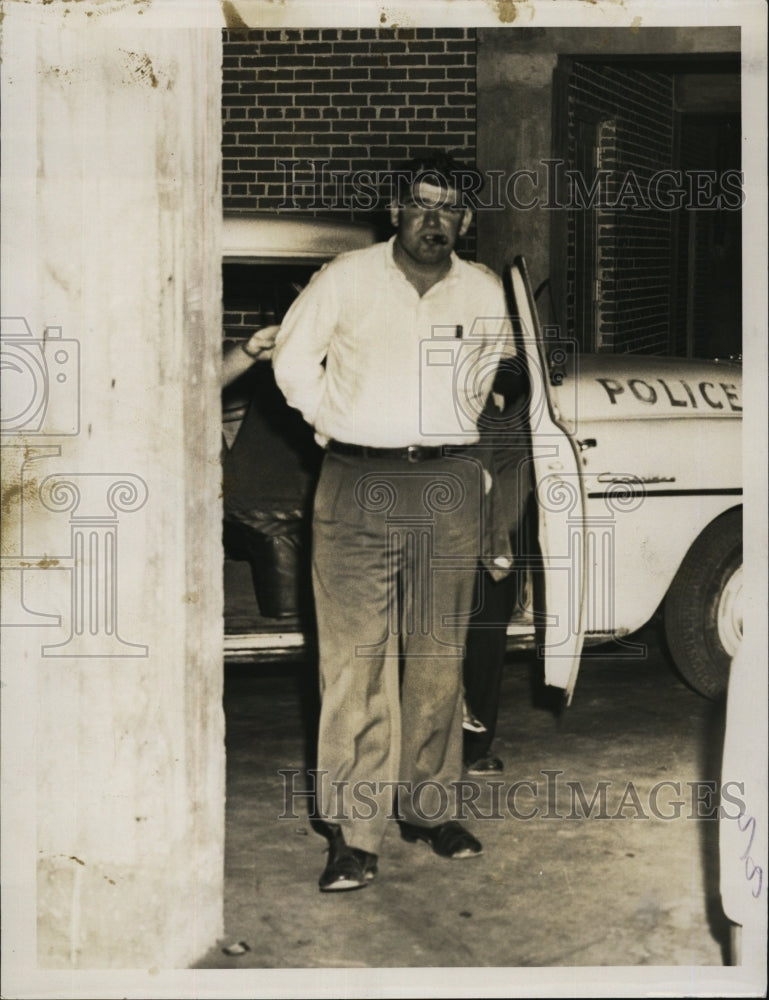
x: 441, y: 170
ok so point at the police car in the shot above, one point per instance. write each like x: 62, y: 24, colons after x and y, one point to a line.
x: 637, y: 472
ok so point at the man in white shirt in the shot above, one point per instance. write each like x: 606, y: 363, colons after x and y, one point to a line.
x: 390, y: 354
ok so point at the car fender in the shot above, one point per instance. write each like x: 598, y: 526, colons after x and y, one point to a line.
x: 660, y: 446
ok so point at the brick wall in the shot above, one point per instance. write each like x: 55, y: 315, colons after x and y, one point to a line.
x: 257, y: 297
x: 708, y: 313
x: 694, y: 153
x: 305, y: 108
x: 633, y: 115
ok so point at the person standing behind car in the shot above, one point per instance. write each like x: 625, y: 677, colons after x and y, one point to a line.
x: 505, y: 428
x: 370, y: 354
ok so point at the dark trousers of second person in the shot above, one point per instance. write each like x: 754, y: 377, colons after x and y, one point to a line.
x: 485, y: 647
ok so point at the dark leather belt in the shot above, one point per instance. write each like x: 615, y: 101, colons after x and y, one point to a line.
x: 413, y: 453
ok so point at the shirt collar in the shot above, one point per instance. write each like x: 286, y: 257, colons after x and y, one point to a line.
x: 449, y: 277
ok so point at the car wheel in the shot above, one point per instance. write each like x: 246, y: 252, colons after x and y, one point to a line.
x: 703, y: 608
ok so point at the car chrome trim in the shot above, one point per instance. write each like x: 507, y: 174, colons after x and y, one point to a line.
x: 625, y: 479
x: 262, y: 640
x: 730, y: 492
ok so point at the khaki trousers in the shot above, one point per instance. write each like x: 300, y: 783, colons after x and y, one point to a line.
x: 395, y: 559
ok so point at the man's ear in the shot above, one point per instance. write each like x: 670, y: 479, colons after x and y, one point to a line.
x: 467, y: 218
x: 394, y: 213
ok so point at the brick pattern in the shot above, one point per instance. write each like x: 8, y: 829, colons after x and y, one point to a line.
x: 634, y: 243
x: 709, y: 253
x: 695, y: 153
x: 257, y: 297
x: 304, y: 109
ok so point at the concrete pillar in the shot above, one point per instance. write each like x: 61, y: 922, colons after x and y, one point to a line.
x: 515, y: 94
x: 113, y: 730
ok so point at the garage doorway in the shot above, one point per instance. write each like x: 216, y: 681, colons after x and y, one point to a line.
x: 650, y: 147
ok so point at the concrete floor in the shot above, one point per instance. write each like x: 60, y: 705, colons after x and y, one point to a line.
x: 549, y: 892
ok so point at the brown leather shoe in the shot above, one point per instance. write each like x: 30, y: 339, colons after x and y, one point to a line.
x: 449, y: 840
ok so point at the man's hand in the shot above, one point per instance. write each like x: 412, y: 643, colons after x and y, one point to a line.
x: 260, y: 344
x: 239, y: 359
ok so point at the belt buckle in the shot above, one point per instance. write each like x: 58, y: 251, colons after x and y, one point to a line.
x: 413, y: 452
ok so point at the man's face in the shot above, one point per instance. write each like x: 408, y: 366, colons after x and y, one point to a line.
x: 430, y: 222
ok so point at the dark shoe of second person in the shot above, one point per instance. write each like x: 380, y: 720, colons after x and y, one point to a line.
x: 449, y: 840
x: 347, y: 867
x: 484, y: 766
x: 470, y: 722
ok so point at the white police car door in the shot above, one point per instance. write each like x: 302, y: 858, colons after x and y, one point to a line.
x: 558, y: 494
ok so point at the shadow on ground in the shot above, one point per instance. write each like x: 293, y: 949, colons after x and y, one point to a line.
x: 600, y: 838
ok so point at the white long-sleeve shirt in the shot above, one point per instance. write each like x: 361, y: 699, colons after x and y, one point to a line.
x: 399, y: 369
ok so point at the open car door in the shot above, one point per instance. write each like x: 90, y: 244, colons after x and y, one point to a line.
x: 559, y: 496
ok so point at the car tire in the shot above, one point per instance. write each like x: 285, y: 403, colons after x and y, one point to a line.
x: 702, y: 610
